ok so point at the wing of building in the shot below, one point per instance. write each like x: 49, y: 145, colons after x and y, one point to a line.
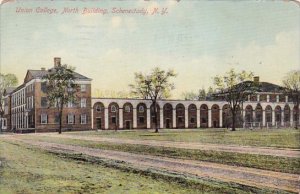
x: 26, y: 110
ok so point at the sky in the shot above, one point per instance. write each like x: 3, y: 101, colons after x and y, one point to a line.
x: 198, y: 39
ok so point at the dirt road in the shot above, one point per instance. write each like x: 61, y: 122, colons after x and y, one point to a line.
x: 293, y: 153
x: 242, y: 175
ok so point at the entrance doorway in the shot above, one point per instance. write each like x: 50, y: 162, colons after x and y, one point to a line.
x: 168, y: 125
x: 216, y: 124
x: 127, y: 125
x: 98, y: 123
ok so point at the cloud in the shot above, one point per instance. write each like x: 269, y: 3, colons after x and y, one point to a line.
x: 270, y: 61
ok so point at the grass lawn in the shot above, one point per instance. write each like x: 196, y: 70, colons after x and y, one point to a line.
x: 280, y: 164
x: 26, y: 170
x: 284, y: 138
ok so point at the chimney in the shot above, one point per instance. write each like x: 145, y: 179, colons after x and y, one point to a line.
x: 43, y: 69
x: 57, y: 61
x: 256, y: 79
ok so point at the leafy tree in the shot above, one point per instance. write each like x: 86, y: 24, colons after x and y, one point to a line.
x: 155, y: 85
x: 202, y: 94
x: 6, y: 81
x: 234, y: 87
x: 61, y: 88
x: 189, y: 95
x: 292, y: 87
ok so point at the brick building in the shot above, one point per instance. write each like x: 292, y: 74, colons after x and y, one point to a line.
x: 27, y: 109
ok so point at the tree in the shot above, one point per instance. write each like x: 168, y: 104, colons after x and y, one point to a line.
x: 234, y: 87
x: 201, y: 95
x: 189, y: 95
x: 6, y: 81
x: 291, y: 85
x: 155, y: 85
x: 61, y: 88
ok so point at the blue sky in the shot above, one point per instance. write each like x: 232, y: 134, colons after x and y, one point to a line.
x: 198, y: 39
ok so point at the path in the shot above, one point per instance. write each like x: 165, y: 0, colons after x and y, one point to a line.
x: 282, y: 152
x: 242, y: 175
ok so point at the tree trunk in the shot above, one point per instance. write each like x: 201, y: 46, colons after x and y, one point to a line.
x: 155, y: 116
x: 233, y: 121
x: 60, y: 118
x: 297, y: 115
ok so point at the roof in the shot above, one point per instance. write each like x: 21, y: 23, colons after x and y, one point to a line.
x: 269, y: 87
x: 9, y: 90
x: 41, y: 73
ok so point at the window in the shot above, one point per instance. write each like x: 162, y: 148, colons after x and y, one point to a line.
x: 70, y: 104
x: 203, y: 120
x: 113, y: 120
x: 44, y: 118
x: 141, y: 120
x: 127, y: 108
x: 180, y: 120
x: 71, y: 118
x: 98, y: 108
x: 4, y: 122
x: 113, y: 108
x: 44, y: 86
x: 83, y: 119
x: 44, y: 102
x: 83, y: 102
x: 82, y: 87
x: 193, y: 120
x: 56, y: 118
x: 141, y: 109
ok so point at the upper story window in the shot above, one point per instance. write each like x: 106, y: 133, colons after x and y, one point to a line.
x: 127, y: 108
x: 44, y: 86
x: 70, y: 104
x: 113, y: 108
x: 141, y: 109
x: 83, y: 102
x: 82, y: 87
x: 44, y: 118
x: 44, y: 102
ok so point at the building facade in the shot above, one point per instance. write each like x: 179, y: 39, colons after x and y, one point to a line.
x: 27, y: 108
x: 137, y: 114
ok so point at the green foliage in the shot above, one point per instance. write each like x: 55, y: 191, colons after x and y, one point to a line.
x: 235, y: 87
x: 155, y: 85
x: 292, y: 88
x: 61, y: 88
x: 201, y: 95
x: 6, y: 81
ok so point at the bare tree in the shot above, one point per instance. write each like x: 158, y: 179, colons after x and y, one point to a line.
x: 61, y: 88
x: 155, y: 85
x: 292, y: 88
x: 234, y: 87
